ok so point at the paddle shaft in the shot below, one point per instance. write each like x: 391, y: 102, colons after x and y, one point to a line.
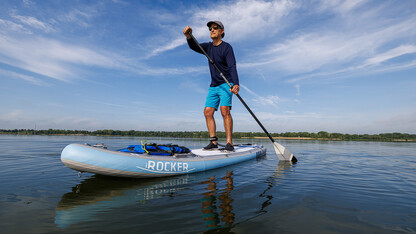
x: 238, y: 95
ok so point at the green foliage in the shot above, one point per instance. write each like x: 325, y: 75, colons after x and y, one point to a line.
x: 322, y: 135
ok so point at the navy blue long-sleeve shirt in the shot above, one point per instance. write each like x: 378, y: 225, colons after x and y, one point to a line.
x: 223, y: 57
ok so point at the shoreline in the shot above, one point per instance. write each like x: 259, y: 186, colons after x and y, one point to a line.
x: 331, y: 139
x: 219, y: 136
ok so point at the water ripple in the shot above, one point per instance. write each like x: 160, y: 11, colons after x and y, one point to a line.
x: 335, y: 187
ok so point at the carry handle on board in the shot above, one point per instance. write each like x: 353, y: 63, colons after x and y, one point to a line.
x: 282, y: 153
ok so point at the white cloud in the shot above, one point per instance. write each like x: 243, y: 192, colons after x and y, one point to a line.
x: 240, y: 18
x: 340, y: 48
x: 12, y: 115
x: 35, y: 23
x: 189, y: 85
x: 340, y: 6
x: 49, y: 57
x: 289, y: 116
x: 56, y: 59
x: 288, y: 121
x: 31, y: 79
x: 269, y: 100
x: 352, y: 71
x: 311, y: 51
x: 6, y: 25
x: 171, y: 45
x: 297, y: 86
x: 28, y: 3
x: 28, y: 119
x: 393, y: 53
x: 81, y: 16
x: 396, y: 122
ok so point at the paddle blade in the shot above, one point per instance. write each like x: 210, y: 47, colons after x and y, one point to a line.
x: 283, y: 154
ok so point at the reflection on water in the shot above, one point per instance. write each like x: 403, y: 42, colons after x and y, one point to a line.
x: 273, y: 181
x: 98, y: 195
x: 209, y: 208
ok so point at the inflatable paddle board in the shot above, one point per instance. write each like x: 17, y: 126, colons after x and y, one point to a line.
x: 99, y: 160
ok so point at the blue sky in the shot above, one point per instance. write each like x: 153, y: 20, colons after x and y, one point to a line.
x: 318, y: 65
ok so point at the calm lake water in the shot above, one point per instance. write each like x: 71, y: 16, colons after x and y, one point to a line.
x: 336, y: 187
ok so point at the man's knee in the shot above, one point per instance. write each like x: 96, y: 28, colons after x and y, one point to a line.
x: 225, y: 111
x: 209, y: 112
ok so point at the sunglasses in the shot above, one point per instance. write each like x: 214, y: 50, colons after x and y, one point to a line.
x: 213, y: 27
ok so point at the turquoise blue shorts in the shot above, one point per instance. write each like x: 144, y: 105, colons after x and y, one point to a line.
x: 219, y: 96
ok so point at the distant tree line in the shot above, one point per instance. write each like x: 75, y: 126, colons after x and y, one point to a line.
x: 322, y: 135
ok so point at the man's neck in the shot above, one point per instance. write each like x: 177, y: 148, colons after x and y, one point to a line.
x: 216, y: 41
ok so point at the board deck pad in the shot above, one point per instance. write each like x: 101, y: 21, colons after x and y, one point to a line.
x: 205, y: 153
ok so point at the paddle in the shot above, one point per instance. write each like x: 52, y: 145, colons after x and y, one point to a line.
x: 282, y: 153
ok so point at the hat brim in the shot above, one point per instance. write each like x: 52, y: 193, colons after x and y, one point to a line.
x: 215, y: 22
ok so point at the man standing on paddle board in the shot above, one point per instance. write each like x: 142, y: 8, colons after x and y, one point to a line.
x: 219, y: 93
